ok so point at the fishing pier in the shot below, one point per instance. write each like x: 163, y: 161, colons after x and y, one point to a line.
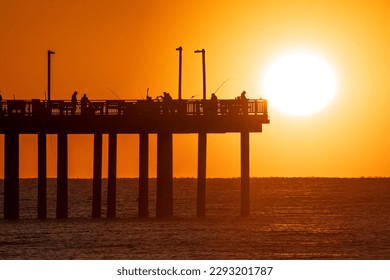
x: 113, y: 117
x: 143, y: 117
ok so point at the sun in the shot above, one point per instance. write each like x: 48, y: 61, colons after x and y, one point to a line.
x: 299, y: 84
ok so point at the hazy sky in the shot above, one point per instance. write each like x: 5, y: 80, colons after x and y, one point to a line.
x: 125, y: 47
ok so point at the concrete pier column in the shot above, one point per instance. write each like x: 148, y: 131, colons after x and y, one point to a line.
x: 97, y: 175
x: 11, y: 176
x: 111, y: 188
x: 164, y: 207
x: 143, y: 199
x: 62, y: 175
x: 201, y: 188
x: 244, y: 174
x: 42, y: 177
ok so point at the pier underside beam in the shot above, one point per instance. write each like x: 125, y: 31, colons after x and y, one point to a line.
x: 244, y: 174
x: 62, y: 175
x: 11, y: 176
x: 111, y: 181
x: 164, y: 207
x: 42, y: 177
x: 97, y: 175
x: 201, y: 186
x: 143, y: 200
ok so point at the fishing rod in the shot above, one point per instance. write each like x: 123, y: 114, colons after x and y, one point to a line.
x: 222, y: 85
x: 140, y: 93
x: 113, y: 92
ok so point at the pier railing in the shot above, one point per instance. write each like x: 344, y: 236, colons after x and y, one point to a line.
x: 36, y: 107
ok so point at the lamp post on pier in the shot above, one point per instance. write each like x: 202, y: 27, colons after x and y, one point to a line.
x: 180, y: 49
x: 49, y: 53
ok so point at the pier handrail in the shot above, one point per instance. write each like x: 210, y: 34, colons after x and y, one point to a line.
x: 191, y: 107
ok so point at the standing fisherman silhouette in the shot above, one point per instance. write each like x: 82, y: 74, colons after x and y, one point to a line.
x: 84, y: 104
x: 244, y: 103
x: 213, y: 104
x: 74, y: 102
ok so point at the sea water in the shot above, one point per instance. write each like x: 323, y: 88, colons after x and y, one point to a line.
x: 291, y: 218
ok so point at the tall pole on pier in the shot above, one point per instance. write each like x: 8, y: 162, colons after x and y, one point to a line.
x: 203, y: 70
x: 49, y: 53
x: 180, y: 49
x: 202, y: 148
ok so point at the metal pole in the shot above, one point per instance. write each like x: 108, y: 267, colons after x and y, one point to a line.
x: 49, y: 52
x: 180, y: 49
x: 204, y: 70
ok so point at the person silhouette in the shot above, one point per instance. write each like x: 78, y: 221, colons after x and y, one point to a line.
x: 84, y: 104
x: 167, y: 102
x: 244, y: 103
x: 213, y: 104
x: 74, y: 102
x: 243, y: 97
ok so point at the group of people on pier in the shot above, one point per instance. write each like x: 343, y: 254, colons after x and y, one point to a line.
x: 169, y: 106
x: 84, y: 103
x: 161, y: 105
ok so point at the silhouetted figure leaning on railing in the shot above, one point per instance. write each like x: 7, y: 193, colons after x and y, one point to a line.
x: 167, y: 102
x: 74, y: 102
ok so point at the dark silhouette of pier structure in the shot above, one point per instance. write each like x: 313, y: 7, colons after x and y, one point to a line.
x: 113, y: 117
x: 143, y: 117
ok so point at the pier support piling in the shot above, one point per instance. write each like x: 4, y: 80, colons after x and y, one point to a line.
x: 164, y: 206
x: 201, y: 186
x: 97, y: 175
x: 42, y: 177
x: 143, y: 200
x: 244, y: 174
x: 62, y: 175
x: 11, y: 176
x: 111, y: 181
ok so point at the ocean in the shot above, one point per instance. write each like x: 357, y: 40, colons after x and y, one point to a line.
x: 291, y: 218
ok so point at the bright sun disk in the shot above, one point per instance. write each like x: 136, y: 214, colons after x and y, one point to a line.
x: 299, y: 84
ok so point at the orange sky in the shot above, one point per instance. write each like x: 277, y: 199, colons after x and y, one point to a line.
x: 127, y: 46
